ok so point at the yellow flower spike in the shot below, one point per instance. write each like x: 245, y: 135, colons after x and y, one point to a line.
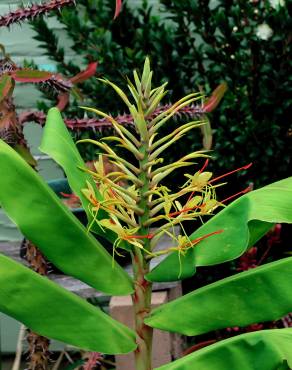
x: 124, y: 142
x: 198, y: 181
x: 140, y: 123
x: 173, y: 166
x: 99, y: 165
x: 90, y: 194
x: 94, y: 212
x: 162, y: 118
x: 147, y: 88
x: 193, y: 202
x: 133, y: 90
x: 156, y: 92
x: 155, y: 102
x: 119, y: 91
x: 146, y: 75
x: 151, y: 139
x: 177, y: 133
x: 124, y: 233
x: 209, y: 206
x: 137, y: 82
x: 120, y: 161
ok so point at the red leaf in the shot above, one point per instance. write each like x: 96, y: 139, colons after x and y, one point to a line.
x: 86, y: 74
x: 118, y: 8
x: 30, y: 75
x: 215, y: 98
x: 6, y: 86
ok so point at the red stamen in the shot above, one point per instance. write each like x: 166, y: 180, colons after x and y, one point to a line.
x: 112, y: 192
x: 190, y: 197
x: 66, y: 195
x: 201, y: 170
x: 93, y: 200
x: 231, y: 172
x: 184, y: 210
x: 197, y: 240
x: 148, y: 236
x: 204, y: 165
x: 248, y: 189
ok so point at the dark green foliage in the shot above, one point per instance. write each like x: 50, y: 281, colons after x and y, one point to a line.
x: 196, y: 44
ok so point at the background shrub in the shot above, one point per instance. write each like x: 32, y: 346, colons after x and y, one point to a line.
x: 196, y: 44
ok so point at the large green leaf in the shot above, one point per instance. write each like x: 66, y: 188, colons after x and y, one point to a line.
x: 52, y: 311
x: 243, y: 222
x: 58, y: 144
x: 44, y: 220
x: 257, y: 295
x: 261, y: 350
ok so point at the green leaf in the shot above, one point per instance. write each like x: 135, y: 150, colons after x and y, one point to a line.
x: 47, y: 222
x: 243, y: 222
x: 58, y: 144
x: 52, y: 311
x: 206, y: 131
x: 239, y: 300
x: 261, y: 350
x: 25, y: 153
x: 284, y: 366
x: 6, y: 85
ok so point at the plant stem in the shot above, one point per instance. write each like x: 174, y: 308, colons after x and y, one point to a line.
x: 142, y: 306
x: 143, y: 288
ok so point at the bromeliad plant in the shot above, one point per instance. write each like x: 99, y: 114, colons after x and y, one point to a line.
x: 123, y: 207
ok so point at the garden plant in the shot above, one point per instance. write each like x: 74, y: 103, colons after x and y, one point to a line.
x: 125, y: 215
x: 192, y: 44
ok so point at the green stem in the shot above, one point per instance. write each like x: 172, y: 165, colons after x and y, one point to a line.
x: 142, y: 306
x: 143, y: 288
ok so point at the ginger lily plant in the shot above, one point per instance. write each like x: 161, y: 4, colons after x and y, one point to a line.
x: 123, y: 206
